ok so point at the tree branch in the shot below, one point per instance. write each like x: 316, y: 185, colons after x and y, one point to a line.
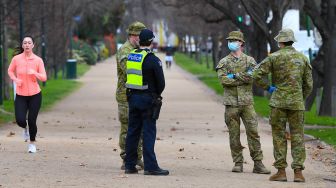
x: 175, y: 4
x: 255, y: 16
x: 311, y: 8
x: 211, y: 20
x: 285, y: 7
x: 222, y: 9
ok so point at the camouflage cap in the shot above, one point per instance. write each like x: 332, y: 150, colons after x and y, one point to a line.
x: 236, y: 35
x: 135, y: 28
x: 285, y: 35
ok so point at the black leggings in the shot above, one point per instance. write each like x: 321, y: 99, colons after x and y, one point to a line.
x: 30, y: 105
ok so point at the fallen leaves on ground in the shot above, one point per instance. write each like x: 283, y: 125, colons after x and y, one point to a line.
x: 10, y: 134
x: 320, y: 147
x: 122, y: 176
x: 82, y: 164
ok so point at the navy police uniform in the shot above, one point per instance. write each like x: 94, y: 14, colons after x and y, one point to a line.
x: 140, y: 101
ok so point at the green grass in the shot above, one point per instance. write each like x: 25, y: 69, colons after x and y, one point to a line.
x: 82, y: 68
x: 313, y: 119
x: 54, y: 91
x: 327, y: 135
x: 261, y: 106
x: 209, y: 77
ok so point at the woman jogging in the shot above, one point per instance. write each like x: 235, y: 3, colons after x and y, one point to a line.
x: 25, y: 69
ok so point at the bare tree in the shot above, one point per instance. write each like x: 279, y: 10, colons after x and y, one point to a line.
x: 323, y: 16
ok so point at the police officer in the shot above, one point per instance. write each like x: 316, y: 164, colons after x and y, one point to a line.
x: 131, y: 43
x: 291, y: 84
x: 235, y: 74
x: 145, y: 83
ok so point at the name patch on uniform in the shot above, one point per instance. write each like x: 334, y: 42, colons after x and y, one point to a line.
x: 135, y: 57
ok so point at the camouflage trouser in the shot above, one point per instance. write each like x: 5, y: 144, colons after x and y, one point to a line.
x: 123, y: 118
x: 249, y: 117
x: 278, y: 120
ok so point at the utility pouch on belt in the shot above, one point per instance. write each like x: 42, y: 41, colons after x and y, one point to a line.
x: 128, y: 93
x: 157, y: 103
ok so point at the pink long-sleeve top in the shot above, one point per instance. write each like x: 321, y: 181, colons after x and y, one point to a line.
x: 18, y: 70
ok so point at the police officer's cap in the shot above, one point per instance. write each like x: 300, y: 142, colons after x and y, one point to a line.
x: 135, y: 28
x: 146, y: 35
x: 285, y: 35
x: 236, y: 35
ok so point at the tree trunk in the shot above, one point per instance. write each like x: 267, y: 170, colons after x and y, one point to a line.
x: 214, y: 50
x: 275, y: 26
x: 190, y: 47
x: 185, y: 48
x: 2, y: 25
x: 207, y: 57
x: 6, y: 79
x: 258, y: 50
x: 328, y: 103
x: 317, y: 65
x: 197, y: 55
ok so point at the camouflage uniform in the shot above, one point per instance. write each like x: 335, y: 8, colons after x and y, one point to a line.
x: 238, y: 101
x: 125, y: 49
x: 292, y: 76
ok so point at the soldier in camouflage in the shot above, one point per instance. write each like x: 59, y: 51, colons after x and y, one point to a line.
x: 235, y: 74
x: 291, y: 83
x: 132, y: 42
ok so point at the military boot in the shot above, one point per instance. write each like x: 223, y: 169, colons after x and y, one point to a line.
x: 298, y: 177
x: 259, y: 168
x: 140, y: 165
x: 238, y: 167
x: 279, y: 176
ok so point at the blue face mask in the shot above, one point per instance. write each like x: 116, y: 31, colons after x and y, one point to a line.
x: 233, y: 46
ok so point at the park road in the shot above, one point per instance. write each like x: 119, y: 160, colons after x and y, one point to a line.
x: 78, y: 142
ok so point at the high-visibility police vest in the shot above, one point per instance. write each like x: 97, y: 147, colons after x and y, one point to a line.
x: 134, y: 70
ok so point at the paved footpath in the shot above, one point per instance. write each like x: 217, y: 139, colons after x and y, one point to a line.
x: 78, y: 142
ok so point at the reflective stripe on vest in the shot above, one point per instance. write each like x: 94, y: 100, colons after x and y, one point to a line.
x: 134, y: 70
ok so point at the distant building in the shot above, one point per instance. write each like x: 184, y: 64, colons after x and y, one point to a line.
x: 304, y: 42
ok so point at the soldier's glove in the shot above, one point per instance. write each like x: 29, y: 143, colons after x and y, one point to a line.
x: 230, y: 76
x: 271, y: 89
